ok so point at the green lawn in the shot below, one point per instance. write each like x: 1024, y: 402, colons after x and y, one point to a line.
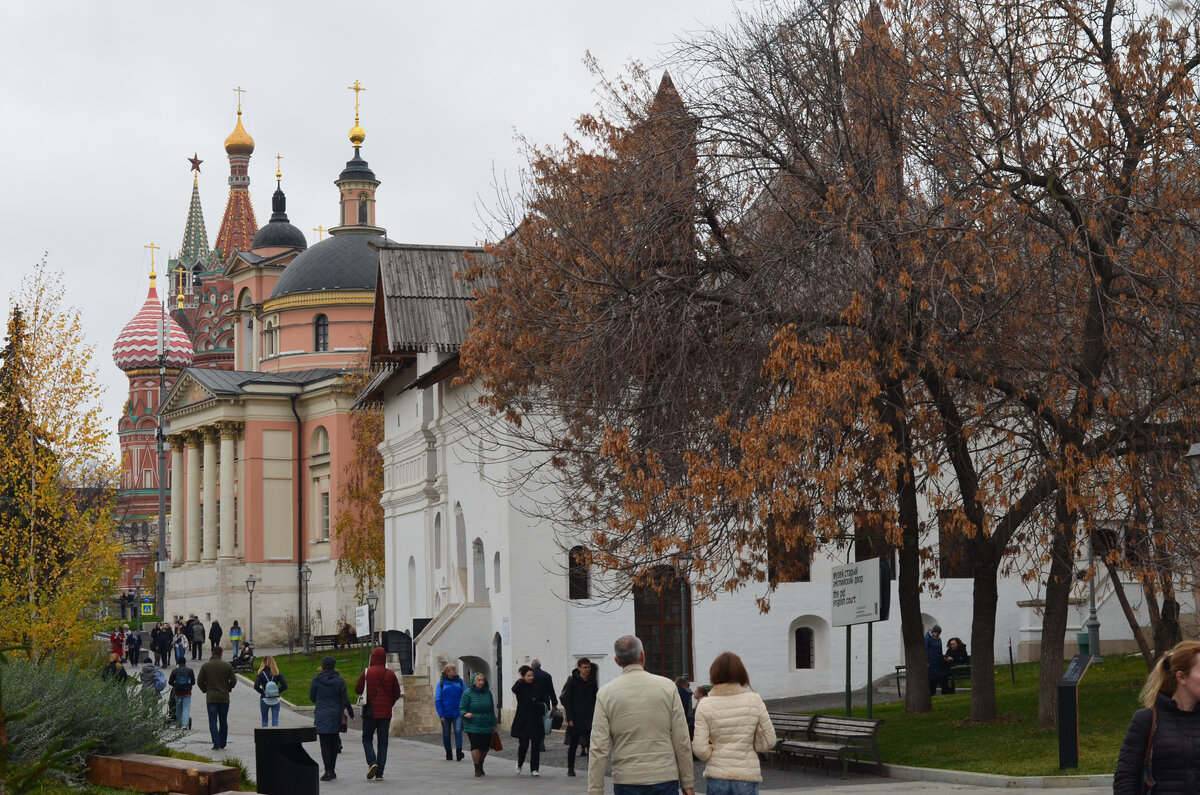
x: 299, y: 670
x: 946, y: 738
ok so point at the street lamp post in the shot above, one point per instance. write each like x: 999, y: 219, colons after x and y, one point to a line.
x: 104, y: 596
x: 1093, y: 622
x: 137, y: 599
x: 250, y: 582
x: 372, y: 600
x: 305, y: 575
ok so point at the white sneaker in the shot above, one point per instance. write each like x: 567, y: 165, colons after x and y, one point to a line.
x: 518, y: 767
x: 535, y: 774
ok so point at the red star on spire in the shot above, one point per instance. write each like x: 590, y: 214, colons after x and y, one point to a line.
x: 195, y: 161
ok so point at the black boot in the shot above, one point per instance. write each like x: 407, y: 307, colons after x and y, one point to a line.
x: 460, y: 754
x: 449, y: 756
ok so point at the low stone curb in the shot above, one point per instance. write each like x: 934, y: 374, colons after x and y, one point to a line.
x: 906, y: 773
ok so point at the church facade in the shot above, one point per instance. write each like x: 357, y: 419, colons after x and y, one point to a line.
x: 258, y: 418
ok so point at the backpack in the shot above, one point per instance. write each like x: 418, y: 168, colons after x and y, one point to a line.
x: 160, y: 681
x: 198, y: 632
x: 183, y: 681
x: 271, y: 694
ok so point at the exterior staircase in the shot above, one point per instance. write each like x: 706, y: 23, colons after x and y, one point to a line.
x: 418, y: 715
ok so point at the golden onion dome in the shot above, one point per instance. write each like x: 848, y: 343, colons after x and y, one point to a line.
x: 239, y: 141
x: 357, y: 135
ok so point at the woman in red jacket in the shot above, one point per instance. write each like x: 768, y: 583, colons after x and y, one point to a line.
x: 382, y: 690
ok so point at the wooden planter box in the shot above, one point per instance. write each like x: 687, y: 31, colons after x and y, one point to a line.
x: 146, y: 773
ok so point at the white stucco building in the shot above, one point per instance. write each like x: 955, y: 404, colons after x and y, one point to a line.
x: 477, y: 581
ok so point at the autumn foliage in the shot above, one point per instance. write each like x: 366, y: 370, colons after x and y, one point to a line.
x: 56, y: 476
x: 931, y: 261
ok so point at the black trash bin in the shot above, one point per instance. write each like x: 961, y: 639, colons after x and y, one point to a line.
x: 283, y: 767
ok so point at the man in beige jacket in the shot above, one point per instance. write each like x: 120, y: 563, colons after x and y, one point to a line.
x: 640, y: 717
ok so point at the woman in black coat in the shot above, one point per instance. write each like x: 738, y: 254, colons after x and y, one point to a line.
x: 214, y: 635
x: 328, y: 695
x: 579, y: 705
x: 1171, y: 696
x: 527, y: 725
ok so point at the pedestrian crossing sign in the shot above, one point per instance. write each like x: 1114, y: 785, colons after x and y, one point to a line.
x: 147, y: 608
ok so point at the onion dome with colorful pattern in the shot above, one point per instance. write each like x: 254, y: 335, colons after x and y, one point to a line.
x: 136, y: 347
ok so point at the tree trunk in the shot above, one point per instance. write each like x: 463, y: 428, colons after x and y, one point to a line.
x: 1130, y: 616
x: 1054, y: 621
x: 983, y: 640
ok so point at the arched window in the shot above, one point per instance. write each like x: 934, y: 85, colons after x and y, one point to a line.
x: 320, y: 333
x: 269, y: 338
x: 319, y: 445
x: 662, y: 618
x: 496, y: 572
x: 577, y: 574
x: 805, y: 648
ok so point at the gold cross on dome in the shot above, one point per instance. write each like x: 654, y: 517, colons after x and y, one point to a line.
x: 278, y: 168
x: 240, y: 91
x: 152, y: 248
x: 320, y: 230
x: 356, y: 88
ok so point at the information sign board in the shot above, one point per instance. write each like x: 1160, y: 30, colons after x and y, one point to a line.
x: 858, y: 596
x: 362, y: 621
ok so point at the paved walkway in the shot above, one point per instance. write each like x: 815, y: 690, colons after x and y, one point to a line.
x: 418, y: 764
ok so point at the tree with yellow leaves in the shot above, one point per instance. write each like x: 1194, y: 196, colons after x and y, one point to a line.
x: 56, y: 476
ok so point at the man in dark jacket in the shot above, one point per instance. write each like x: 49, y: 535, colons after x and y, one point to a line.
x: 383, y: 691
x: 180, y: 682
x: 133, y: 648
x: 215, y: 681
x: 579, y: 705
x: 934, y: 659
x: 545, y: 682
x: 197, y: 639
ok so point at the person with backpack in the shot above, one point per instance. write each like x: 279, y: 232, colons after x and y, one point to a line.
x: 181, y: 682
x: 269, y: 684
x: 151, y: 678
x: 198, y: 640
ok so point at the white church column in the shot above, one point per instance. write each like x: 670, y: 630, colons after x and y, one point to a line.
x: 178, y: 506
x: 228, y: 430
x: 210, y: 494
x: 191, y: 515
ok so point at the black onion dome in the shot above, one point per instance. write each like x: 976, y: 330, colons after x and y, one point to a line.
x: 356, y: 168
x: 344, y: 261
x: 279, y: 232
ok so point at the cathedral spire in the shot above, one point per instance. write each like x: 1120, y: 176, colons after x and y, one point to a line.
x: 195, y: 236
x: 356, y: 184
x: 238, y: 225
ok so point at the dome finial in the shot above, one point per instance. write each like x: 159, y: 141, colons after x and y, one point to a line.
x: 278, y: 169
x: 357, y: 134
x: 153, y: 275
x: 239, y: 141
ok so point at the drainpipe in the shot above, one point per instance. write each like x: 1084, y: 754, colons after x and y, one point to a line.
x: 300, y: 556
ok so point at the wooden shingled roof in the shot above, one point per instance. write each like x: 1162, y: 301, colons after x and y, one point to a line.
x: 418, y: 300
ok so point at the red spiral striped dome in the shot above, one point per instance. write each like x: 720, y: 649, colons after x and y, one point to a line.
x: 136, y: 347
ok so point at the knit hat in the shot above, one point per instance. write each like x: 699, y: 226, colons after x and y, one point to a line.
x: 328, y: 663
x: 936, y: 628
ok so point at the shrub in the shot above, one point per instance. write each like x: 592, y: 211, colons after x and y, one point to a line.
x: 72, y: 705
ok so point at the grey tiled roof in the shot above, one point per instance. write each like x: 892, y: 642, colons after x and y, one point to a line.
x: 344, y: 261
x: 234, y: 382
x: 424, y: 306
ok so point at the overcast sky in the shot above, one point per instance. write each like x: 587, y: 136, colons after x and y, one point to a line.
x: 103, y: 102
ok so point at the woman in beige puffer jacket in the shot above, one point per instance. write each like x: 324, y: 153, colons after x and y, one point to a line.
x: 732, y: 727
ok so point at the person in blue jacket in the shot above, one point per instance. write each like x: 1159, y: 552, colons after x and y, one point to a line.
x: 447, y: 699
x: 935, y: 660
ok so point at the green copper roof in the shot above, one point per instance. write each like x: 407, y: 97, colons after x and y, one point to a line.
x: 195, y: 238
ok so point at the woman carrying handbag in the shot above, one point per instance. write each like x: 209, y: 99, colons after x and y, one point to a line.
x: 1158, y: 754
x: 380, y: 691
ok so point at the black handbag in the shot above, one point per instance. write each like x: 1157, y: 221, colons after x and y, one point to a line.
x: 1146, y: 783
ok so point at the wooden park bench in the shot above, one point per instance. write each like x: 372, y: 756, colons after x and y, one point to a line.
x: 146, y: 773
x: 832, y: 737
x: 959, y: 673
x: 788, y: 727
